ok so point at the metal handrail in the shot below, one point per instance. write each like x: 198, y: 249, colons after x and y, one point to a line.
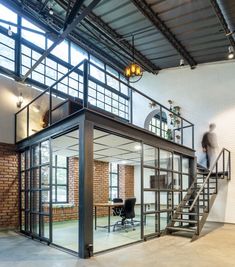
x: 208, y: 176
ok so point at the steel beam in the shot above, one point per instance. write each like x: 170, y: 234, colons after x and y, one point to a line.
x: 144, y: 8
x: 62, y: 36
x: 73, y: 13
x: 223, y: 21
x: 103, y: 28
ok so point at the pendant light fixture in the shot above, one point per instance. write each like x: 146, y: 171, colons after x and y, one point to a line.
x: 133, y: 71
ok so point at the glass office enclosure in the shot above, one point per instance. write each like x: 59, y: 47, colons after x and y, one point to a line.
x: 117, y: 175
x: 49, y: 190
x: 166, y: 181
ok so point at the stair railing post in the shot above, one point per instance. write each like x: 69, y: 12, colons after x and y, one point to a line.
x: 229, y: 165
x: 223, y: 163
x: 198, y: 216
x: 208, y: 194
x: 216, y: 178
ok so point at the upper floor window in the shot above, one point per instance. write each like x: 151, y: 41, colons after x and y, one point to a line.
x: 9, y: 16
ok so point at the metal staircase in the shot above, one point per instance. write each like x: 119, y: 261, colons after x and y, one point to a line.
x: 191, y: 214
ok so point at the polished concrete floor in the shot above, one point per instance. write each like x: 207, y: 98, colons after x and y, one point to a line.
x: 214, y: 249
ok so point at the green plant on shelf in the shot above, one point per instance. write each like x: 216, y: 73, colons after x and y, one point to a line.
x: 169, y: 134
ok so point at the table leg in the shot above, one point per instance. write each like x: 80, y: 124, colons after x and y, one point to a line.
x: 95, y: 219
x: 109, y: 221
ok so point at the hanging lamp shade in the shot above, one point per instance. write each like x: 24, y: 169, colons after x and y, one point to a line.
x: 133, y: 70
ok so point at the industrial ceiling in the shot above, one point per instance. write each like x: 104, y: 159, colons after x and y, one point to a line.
x: 165, y: 31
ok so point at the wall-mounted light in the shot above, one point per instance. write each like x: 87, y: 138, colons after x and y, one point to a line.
x: 20, y: 101
x: 230, y: 52
x: 9, y: 32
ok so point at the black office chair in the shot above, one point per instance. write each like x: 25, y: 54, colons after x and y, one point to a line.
x: 127, y: 214
x: 117, y: 210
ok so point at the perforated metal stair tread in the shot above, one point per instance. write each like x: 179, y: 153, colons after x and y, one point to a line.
x: 174, y: 228
x: 184, y: 220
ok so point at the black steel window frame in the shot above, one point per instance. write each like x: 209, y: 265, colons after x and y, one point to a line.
x: 55, y: 185
x: 31, y: 193
x: 111, y: 186
x: 171, y: 192
x: 162, y: 129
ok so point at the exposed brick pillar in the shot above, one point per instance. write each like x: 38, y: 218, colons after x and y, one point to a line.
x: 126, y: 181
x: 9, y: 186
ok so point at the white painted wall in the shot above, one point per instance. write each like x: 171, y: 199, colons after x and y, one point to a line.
x: 9, y: 92
x: 206, y: 95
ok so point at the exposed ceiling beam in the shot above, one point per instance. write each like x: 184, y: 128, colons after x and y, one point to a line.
x: 73, y: 13
x: 117, y: 39
x: 223, y: 22
x: 62, y: 36
x: 161, y: 26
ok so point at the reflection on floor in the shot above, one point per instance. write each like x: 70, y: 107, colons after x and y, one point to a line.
x: 215, y: 249
x: 65, y: 233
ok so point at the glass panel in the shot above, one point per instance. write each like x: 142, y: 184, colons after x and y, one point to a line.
x: 36, y: 156
x: 62, y: 47
x: 8, y: 15
x: 45, y: 177
x: 165, y: 160
x: 176, y: 183
x: 165, y: 180
x: 23, y: 181
x: 61, y: 176
x: 150, y: 201
x: 163, y: 220
x: 35, y: 182
x: 21, y: 125
x: 185, y: 165
x: 61, y: 161
x: 35, y: 201
x: 165, y: 200
x: 45, y: 229
x: 45, y: 152
x: 77, y: 54
x: 177, y: 163
x: 150, y: 156
x: 185, y: 182
x: 151, y: 224
x: 150, y: 178
x: 23, y: 221
x: 35, y: 223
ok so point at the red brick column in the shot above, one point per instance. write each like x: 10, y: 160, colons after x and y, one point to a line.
x: 9, y: 186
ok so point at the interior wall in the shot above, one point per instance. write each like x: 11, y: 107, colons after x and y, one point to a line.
x: 206, y: 95
x: 9, y: 184
x: 10, y: 91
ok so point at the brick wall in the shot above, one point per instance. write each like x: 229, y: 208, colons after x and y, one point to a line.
x: 8, y: 187
x: 126, y: 181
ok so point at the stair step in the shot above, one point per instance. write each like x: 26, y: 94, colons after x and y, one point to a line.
x: 174, y: 228
x: 189, y: 213
x: 184, y: 220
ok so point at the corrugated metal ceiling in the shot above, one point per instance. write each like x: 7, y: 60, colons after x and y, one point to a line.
x: 193, y: 23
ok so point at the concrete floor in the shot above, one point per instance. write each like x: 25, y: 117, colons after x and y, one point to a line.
x: 215, y: 248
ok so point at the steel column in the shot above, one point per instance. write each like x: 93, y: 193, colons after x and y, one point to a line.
x: 85, y: 189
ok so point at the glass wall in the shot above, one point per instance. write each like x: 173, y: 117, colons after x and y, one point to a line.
x: 166, y: 181
x: 35, y: 191
x: 116, y: 190
x: 65, y: 188
x: 49, y: 191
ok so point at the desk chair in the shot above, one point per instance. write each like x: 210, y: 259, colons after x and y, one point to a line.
x: 127, y: 214
x: 117, y: 210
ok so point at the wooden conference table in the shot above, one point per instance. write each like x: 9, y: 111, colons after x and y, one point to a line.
x: 108, y: 205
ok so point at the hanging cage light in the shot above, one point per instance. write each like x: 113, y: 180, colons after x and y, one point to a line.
x: 133, y: 70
